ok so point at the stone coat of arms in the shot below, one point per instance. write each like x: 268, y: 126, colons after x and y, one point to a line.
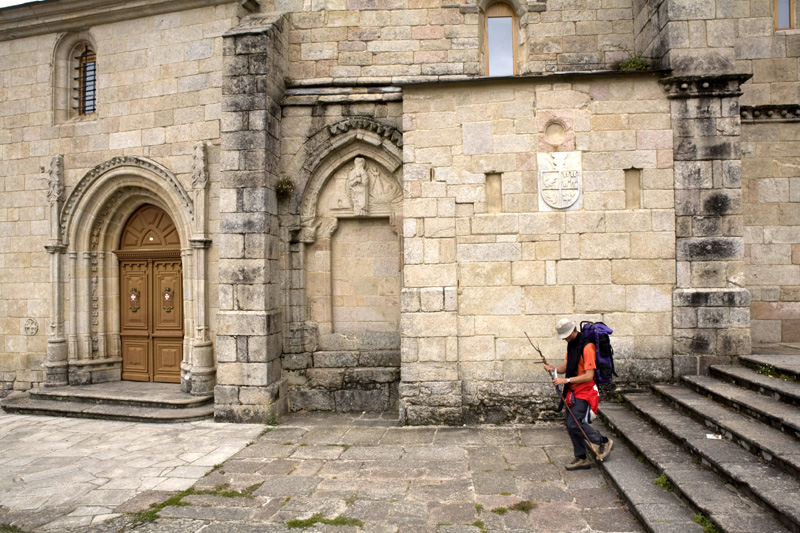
x: 560, y: 180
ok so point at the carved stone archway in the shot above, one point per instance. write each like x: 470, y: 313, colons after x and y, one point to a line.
x: 83, y: 344
x: 349, y: 177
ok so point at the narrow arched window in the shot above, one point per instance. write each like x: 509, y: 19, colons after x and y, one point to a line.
x: 784, y: 14
x: 85, y: 82
x: 501, y: 38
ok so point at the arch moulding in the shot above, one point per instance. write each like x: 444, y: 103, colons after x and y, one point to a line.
x: 83, y: 344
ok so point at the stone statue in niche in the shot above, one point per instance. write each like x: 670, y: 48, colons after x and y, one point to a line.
x: 358, y: 185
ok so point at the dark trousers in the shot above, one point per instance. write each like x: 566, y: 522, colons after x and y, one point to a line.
x: 579, y: 409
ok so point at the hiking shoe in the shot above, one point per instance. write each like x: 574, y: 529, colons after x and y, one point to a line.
x: 604, y: 449
x: 578, y: 464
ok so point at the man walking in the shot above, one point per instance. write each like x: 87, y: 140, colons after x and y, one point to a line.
x: 580, y: 393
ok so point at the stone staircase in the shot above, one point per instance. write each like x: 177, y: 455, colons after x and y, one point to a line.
x: 723, y: 449
x: 119, y: 400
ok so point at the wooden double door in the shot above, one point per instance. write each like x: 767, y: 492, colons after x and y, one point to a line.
x: 151, y: 297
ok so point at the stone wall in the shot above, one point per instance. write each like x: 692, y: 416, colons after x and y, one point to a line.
x: 772, y: 224
x: 478, y: 277
x: 364, y: 41
x: 159, y: 83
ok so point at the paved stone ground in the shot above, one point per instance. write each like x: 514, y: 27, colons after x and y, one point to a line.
x: 63, y: 473
x: 391, y: 479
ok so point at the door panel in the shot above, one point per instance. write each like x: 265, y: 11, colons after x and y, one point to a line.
x: 151, y: 320
x: 136, y: 359
x: 167, y: 360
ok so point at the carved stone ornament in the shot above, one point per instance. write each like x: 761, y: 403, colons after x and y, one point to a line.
x: 358, y: 186
x: 560, y: 181
x: 31, y: 327
x: 55, y: 179
x: 134, y: 300
x: 200, y: 166
x: 151, y: 167
x: 166, y: 300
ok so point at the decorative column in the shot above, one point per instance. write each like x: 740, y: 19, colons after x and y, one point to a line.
x: 250, y: 387
x: 711, y: 306
x: 198, y: 373
x: 56, y: 365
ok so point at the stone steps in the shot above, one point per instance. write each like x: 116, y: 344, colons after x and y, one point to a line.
x: 763, y: 484
x: 785, y: 390
x: 657, y: 509
x: 703, y: 490
x: 773, y: 446
x: 782, y: 416
x: 127, y: 401
x: 787, y: 363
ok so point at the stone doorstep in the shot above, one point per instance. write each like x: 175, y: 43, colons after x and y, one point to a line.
x: 764, y: 484
x: 25, y: 405
x: 785, y: 391
x: 772, y: 445
x: 125, y: 393
x: 703, y: 490
x: 755, y: 405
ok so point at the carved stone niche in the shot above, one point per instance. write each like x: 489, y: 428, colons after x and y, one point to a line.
x: 361, y: 187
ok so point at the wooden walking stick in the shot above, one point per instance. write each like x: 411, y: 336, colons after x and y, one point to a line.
x: 564, y: 399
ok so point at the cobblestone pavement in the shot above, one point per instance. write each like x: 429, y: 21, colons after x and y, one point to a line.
x: 330, y: 473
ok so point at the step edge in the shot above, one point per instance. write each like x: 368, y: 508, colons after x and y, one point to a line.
x: 685, y: 493
x: 758, y: 495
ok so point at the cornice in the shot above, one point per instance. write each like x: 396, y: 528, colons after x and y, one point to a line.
x: 770, y: 113
x: 55, y: 16
x: 721, y: 85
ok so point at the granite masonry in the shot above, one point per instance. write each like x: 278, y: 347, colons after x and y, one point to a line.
x: 366, y: 213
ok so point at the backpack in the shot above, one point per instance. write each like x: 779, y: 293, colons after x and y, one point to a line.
x: 597, y: 333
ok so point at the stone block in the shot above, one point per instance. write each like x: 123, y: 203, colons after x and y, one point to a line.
x: 431, y: 299
x: 584, y: 272
x: 495, y: 224
x: 600, y: 298
x: 442, y: 324
x: 432, y: 371
x: 490, y: 301
x: 242, y: 374
x: 311, y: 400
x: 488, y: 252
x: 326, y: 378
x: 476, y: 348
x: 734, y: 341
x: 710, y: 249
x: 542, y: 223
x: 556, y: 299
x: 711, y: 298
x: 524, y: 273
x: 335, y: 359
x: 648, y: 298
x: 430, y: 275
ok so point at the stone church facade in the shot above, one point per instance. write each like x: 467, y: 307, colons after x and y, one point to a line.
x: 346, y: 205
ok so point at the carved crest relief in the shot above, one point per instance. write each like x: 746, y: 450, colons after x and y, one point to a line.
x: 560, y: 180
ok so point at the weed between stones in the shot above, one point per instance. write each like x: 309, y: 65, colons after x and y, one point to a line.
x: 177, y: 501
x: 663, y: 482
x: 317, y: 519
x: 708, y: 526
x: 9, y: 528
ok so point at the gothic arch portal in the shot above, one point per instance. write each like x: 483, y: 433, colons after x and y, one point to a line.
x: 86, y: 226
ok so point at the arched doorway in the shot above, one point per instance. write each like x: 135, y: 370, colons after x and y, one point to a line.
x: 151, y: 297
